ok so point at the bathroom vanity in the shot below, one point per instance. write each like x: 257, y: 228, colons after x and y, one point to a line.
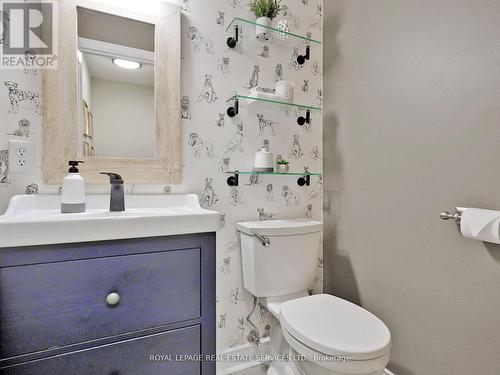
x: 107, y: 293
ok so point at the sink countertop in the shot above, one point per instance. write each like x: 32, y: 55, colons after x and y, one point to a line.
x: 37, y: 220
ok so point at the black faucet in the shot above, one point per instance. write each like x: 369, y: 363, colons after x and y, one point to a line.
x: 117, y: 199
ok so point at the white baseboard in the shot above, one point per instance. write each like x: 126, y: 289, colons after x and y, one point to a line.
x: 233, y: 367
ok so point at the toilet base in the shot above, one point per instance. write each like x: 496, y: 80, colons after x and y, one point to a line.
x: 284, y: 368
x: 310, y: 368
x: 305, y: 368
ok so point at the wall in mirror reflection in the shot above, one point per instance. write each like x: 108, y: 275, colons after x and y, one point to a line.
x: 116, y: 86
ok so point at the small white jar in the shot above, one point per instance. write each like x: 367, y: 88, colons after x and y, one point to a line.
x: 284, y: 90
x: 261, y: 32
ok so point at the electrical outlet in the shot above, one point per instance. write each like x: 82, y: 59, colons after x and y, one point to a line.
x: 21, y: 157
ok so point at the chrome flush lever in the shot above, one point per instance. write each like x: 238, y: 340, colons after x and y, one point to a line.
x: 263, y: 240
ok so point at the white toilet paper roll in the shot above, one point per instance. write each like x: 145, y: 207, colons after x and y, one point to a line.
x: 483, y: 225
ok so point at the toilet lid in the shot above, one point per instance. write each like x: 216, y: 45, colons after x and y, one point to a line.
x: 333, y: 326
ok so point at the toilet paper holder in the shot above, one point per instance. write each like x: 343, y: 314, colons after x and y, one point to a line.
x: 457, y: 216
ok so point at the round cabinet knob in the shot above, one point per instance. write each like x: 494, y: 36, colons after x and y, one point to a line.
x: 112, y: 299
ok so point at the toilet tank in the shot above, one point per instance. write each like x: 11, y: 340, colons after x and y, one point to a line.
x: 288, y: 264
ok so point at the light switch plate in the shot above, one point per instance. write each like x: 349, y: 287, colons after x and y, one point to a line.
x: 21, y: 157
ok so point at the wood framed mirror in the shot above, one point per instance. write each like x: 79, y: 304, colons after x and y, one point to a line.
x: 103, y: 128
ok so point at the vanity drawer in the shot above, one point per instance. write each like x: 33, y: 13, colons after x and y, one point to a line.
x: 44, y: 306
x: 131, y: 357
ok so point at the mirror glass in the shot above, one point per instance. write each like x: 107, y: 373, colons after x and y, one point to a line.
x: 116, y: 113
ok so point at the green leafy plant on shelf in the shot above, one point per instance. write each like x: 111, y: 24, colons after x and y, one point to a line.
x: 283, y: 162
x: 265, y: 8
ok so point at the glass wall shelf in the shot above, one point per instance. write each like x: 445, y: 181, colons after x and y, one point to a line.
x: 277, y: 173
x: 249, y: 100
x: 287, y: 38
x: 303, y: 180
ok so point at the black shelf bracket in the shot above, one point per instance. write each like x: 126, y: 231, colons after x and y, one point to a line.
x: 235, y: 109
x: 301, y: 59
x: 232, y: 41
x: 305, y: 179
x: 302, y: 120
x: 233, y: 180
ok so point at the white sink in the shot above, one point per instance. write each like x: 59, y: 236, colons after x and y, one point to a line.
x: 37, y: 219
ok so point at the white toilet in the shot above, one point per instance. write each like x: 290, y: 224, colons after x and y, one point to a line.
x: 321, y: 334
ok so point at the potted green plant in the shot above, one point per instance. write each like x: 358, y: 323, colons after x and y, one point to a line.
x: 283, y: 166
x: 265, y: 11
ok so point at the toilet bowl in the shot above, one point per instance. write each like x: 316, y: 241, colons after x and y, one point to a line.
x: 334, y: 336
x: 322, y: 334
x: 329, y: 336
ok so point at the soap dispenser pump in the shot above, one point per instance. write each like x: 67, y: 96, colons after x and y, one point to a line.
x: 73, y: 190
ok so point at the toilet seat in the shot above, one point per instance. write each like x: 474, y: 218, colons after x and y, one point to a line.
x: 335, y: 327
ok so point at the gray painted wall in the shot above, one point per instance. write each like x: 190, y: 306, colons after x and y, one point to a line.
x: 412, y: 89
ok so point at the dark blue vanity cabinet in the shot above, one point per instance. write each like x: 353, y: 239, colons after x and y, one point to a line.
x: 121, y: 307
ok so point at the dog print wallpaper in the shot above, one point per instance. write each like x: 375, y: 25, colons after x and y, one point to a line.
x: 212, y: 142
